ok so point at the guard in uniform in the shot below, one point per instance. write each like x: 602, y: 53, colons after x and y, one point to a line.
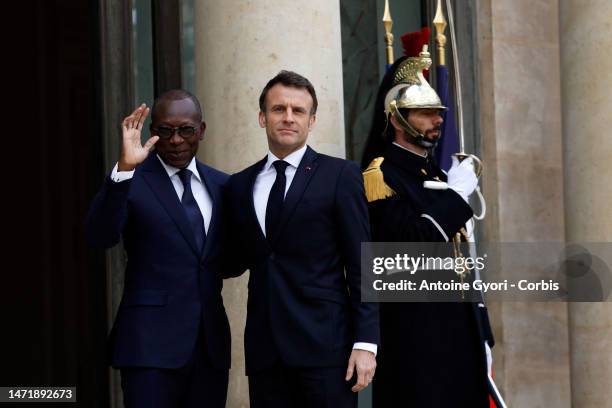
x: 431, y: 354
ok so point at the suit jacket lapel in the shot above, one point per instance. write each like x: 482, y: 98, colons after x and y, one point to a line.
x: 255, y: 170
x: 156, y: 177
x: 215, y: 197
x: 307, y: 168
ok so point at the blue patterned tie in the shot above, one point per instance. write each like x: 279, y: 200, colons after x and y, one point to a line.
x: 194, y: 215
x: 276, y: 199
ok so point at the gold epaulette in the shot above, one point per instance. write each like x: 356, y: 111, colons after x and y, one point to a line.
x: 374, y: 182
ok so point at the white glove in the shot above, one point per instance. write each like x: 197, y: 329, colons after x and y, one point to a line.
x: 462, y: 178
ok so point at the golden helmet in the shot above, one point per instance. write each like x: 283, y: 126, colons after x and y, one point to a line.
x: 410, y: 88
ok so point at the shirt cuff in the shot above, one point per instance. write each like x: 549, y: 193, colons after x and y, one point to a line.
x: 366, y: 346
x: 119, y: 176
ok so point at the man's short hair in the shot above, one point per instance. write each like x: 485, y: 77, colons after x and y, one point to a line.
x: 175, y: 95
x: 291, y: 79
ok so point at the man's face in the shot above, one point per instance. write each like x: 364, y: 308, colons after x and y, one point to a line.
x: 177, y: 151
x: 287, y: 118
x: 426, y: 121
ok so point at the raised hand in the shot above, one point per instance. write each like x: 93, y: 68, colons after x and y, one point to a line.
x: 132, y: 151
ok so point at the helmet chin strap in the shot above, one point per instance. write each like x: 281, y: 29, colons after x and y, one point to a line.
x: 418, y: 137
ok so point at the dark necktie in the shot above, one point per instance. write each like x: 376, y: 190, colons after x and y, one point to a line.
x: 276, y: 198
x: 194, y: 215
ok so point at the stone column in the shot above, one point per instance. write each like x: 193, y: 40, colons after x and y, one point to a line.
x: 240, y: 45
x: 586, y: 63
x: 523, y: 184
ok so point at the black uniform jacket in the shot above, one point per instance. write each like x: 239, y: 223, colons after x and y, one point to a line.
x: 431, y: 354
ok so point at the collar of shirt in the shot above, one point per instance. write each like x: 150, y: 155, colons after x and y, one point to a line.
x: 293, y: 159
x: 173, y: 170
x: 408, y: 150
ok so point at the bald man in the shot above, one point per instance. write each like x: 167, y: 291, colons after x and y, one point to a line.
x: 171, y: 337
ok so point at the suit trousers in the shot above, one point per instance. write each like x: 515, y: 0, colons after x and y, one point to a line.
x: 197, y: 384
x: 301, y: 387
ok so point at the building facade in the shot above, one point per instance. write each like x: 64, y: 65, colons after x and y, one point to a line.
x: 536, y: 95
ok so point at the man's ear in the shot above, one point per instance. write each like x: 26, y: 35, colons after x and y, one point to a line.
x: 202, y: 129
x: 395, y: 124
x: 262, y: 119
x: 312, y: 120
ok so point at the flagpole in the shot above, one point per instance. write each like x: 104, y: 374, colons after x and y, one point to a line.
x: 388, y: 24
x: 439, y: 23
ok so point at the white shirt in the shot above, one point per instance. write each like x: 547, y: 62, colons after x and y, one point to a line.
x: 261, y: 191
x: 197, y: 186
x: 265, y: 180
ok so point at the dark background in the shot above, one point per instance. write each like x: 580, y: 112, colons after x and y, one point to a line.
x: 67, y: 70
x: 54, y: 288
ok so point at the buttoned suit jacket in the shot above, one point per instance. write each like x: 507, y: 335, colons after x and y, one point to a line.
x: 172, y: 290
x: 304, y: 304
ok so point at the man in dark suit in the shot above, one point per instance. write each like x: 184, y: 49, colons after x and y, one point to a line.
x: 432, y: 354
x: 171, y: 337
x: 298, y: 220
